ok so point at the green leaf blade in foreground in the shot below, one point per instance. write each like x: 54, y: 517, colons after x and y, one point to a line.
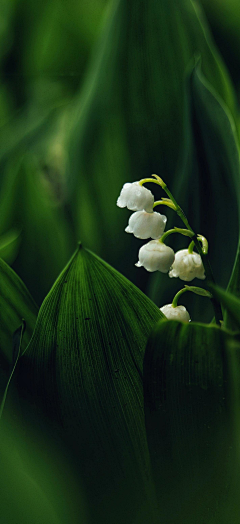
x: 16, y: 303
x: 84, y: 362
x: 189, y: 423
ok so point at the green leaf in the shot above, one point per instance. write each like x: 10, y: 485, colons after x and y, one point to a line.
x: 231, y: 305
x: 84, y: 365
x: 9, y: 244
x: 15, y: 303
x: 189, y: 422
x: 136, y: 78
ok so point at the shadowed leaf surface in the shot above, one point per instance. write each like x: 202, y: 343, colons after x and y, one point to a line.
x: 190, y: 429
x: 231, y: 305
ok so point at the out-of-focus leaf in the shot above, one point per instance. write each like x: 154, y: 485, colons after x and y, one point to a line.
x: 208, y: 187
x: 36, y: 483
x: 17, y: 342
x: 21, y: 499
x: 189, y: 422
x: 46, y: 239
x: 9, y: 244
x: 16, y: 303
x: 223, y: 17
x: 128, y: 121
x: 84, y: 366
x: 24, y: 129
x: 231, y: 305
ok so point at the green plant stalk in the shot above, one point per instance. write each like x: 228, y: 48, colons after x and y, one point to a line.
x: 177, y: 296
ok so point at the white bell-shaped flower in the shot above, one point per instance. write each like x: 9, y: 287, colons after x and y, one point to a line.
x: 175, y: 313
x: 187, y: 266
x: 155, y: 256
x: 146, y: 225
x: 136, y: 197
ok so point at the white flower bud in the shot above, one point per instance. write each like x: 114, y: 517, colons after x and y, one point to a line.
x: 175, y: 313
x: 146, y: 225
x: 136, y: 197
x: 155, y: 256
x: 187, y: 266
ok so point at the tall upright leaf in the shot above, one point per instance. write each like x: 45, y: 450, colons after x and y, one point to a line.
x: 208, y: 187
x: 84, y: 367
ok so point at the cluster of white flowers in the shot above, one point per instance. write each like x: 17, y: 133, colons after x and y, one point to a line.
x: 155, y: 255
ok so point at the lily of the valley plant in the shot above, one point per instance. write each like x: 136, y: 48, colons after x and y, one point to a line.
x: 155, y: 255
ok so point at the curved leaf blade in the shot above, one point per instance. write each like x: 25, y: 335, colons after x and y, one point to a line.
x: 15, y: 303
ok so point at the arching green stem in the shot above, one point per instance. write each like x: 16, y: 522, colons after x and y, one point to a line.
x: 184, y: 232
x: 177, y: 296
x: 196, y: 290
x: 191, y: 247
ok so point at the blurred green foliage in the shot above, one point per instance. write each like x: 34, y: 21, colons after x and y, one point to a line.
x: 93, y: 94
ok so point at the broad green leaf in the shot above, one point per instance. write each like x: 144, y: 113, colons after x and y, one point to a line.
x: 16, y: 303
x: 9, y: 244
x: 84, y: 365
x: 128, y: 121
x: 208, y: 186
x: 189, y: 422
x: 45, y: 235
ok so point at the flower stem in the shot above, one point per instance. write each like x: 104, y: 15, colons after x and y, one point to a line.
x: 191, y: 247
x: 177, y: 296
